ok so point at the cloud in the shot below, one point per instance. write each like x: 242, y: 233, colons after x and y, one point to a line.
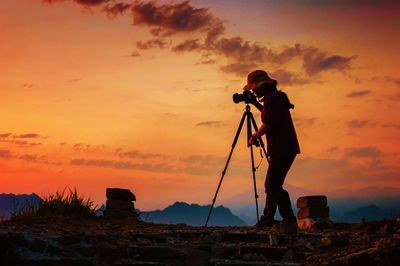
x: 123, y: 165
x: 361, y: 93
x: 210, y: 123
x: 139, y: 154
x: 300, y: 122
x: 5, y: 154
x: 342, y: 173
x: 386, y: 78
x: 149, y: 44
x: 360, y: 123
x: 116, y: 9
x: 240, y: 50
x: 33, y: 158
x: 26, y: 136
x: 363, y: 152
x: 20, y: 139
x: 134, y: 54
x: 87, y: 147
x: 186, y: 46
x: 391, y: 125
x: 169, y: 19
x: 316, y: 61
x: 238, y: 69
x: 85, y: 3
x: 288, y: 78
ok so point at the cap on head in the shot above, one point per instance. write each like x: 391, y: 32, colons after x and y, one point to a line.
x: 257, y: 76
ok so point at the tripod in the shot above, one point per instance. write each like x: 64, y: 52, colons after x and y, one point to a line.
x: 248, y: 115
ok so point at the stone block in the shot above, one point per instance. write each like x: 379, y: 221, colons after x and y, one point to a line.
x: 120, y: 194
x: 313, y: 212
x: 119, y: 204
x: 311, y: 201
x: 311, y: 224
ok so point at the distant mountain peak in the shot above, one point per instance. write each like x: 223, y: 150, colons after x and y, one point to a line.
x: 192, y: 214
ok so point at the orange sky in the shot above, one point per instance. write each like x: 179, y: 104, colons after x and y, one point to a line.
x: 142, y: 98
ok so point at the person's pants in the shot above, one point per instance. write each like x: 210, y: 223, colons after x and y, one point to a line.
x: 276, y: 195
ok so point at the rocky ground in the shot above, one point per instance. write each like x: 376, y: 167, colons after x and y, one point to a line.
x: 100, y: 241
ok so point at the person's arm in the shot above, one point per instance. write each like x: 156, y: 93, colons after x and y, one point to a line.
x: 257, y: 104
x: 260, y: 132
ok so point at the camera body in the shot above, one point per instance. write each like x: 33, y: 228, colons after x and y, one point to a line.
x: 246, y: 96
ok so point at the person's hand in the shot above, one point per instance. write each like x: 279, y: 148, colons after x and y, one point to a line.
x: 251, y: 140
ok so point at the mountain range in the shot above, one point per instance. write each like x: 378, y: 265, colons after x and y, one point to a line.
x: 192, y: 214
x: 10, y: 203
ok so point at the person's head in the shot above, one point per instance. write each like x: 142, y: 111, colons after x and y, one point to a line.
x: 256, y: 79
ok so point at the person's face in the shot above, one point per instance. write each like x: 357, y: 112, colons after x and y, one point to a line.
x: 257, y: 89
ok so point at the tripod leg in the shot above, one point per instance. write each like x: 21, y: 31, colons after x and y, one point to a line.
x: 226, y: 166
x: 260, y: 139
x: 253, y: 169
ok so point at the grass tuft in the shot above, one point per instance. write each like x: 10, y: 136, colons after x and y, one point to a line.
x: 63, y: 204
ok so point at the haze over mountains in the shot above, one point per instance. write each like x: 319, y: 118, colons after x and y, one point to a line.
x: 370, y: 203
x: 10, y: 203
x: 340, y: 202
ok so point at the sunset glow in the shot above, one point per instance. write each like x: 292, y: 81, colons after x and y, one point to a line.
x: 138, y: 94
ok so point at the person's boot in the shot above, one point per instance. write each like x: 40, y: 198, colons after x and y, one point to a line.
x: 265, y: 222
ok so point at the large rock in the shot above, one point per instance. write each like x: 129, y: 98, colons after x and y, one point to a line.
x: 313, y: 212
x: 120, y: 194
x: 119, y: 205
x: 311, y: 201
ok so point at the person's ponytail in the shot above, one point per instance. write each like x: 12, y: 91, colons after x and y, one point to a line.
x: 285, y: 99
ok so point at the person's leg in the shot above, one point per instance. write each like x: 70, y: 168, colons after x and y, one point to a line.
x: 270, y: 203
x: 278, y: 169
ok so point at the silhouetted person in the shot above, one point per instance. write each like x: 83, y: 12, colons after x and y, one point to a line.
x: 282, y: 145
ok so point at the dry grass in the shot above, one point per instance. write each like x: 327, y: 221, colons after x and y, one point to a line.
x: 64, y: 204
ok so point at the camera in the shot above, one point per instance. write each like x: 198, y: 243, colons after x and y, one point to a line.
x: 246, y: 96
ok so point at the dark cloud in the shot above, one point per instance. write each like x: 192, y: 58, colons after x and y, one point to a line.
x: 123, y: 165
x: 300, y: 122
x: 20, y: 139
x: 316, y: 61
x: 134, y: 54
x: 165, y: 20
x: 288, y: 78
x: 360, y: 123
x: 139, y: 154
x: 85, y: 3
x: 87, y: 147
x: 240, y: 69
x: 187, y: 46
x: 116, y: 9
x: 287, y: 54
x: 169, y: 19
x: 207, y: 61
x: 363, y: 152
x: 210, y: 123
x: 390, y: 79
x: 240, y: 50
x: 343, y: 172
x: 27, y: 85
x: 26, y: 136
x: 355, y: 94
x: 149, y: 44
x: 391, y: 125
x: 32, y: 158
